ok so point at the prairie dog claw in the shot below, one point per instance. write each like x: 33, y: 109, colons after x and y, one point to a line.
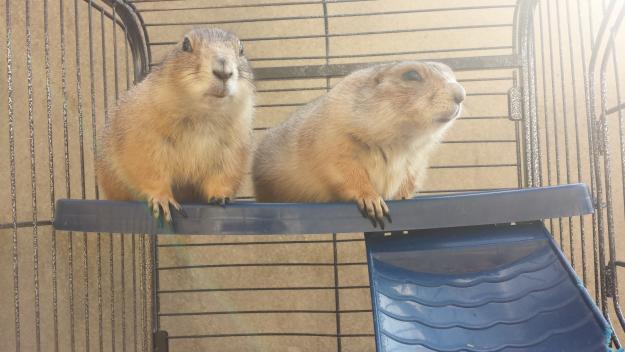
x: 158, y: 204
x: 375, y: 209
x: 220, y: 200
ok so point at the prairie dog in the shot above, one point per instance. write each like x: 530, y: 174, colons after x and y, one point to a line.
x: 368, y: 139
x: 185, y: 131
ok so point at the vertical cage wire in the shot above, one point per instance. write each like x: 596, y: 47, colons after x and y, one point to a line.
x: 577, y: 143
x: 33, y: 173
x: 11, y: 124
x: 58, y: 297
x: 49, y: 115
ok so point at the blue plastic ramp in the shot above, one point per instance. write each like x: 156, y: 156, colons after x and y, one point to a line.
x: 484, y: 288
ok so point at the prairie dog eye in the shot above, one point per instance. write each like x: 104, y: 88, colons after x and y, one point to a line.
x: 241, y: 51
x: 411, y: 76
x: 186, y: 45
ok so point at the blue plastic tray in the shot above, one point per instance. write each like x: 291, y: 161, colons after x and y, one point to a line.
x: 487, y: 288
x: 469, y: 209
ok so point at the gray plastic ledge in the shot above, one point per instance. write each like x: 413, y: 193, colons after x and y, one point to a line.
x: 467, y: 209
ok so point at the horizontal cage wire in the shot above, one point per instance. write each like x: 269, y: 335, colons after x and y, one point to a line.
x: 68, y: 61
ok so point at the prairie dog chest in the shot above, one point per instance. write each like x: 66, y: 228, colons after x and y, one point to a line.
x: 202, y: 144
x: 387, y: 170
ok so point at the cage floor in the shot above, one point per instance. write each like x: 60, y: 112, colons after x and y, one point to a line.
x: 487, y: 288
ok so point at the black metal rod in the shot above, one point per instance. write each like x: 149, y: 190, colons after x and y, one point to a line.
x: 545, y: 110
x: 70, y: 259
x: 244, y: 312
x: 616, y: 295
x: 379, y: 54
x: 244, y: 289
x: 294, y: 18
x: 144, y: 295
x: 554, y: 111
x: 593, y: 149
x: 11, y: 125
x: 55, y: 317
x: 607, y: 53
x: 115, y: 61
x: 338, y: 70
x: 134, y: 290
x: 599, y: 127
x: 155, y: 284
x: 567, y: 158
x: 253, y: 243
x: 94, y: 146
x: 590, y: 143
x: 112, y: 288
x: 534, y: 120
x: 126, y: 61
x: 257, y: 334
x: 104, y: 74
x: 106, y: 13
x: 151, y: 279
x: 94, y: 153
x: 582, y: 229
x: 122, y: 251
x: 82, y: 170
x: 137, y: 36
x: 33, y: 175
x: 255, y: 265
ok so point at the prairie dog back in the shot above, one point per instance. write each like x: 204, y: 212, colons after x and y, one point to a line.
x: 366, y: 140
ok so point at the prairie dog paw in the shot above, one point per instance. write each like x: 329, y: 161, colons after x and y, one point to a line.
x: 221, y: 200
x: 375, y: 209
x: 163, y: 203
x: 218, y: 194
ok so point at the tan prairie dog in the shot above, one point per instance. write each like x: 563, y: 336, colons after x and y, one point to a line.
x: 185, y: 131
x: 368, y: 139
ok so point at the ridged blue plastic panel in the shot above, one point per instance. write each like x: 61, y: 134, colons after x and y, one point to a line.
x: 487, y: 288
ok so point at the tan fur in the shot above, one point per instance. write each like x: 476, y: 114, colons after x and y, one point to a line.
x: 366, y: 140
x: 182, y: 132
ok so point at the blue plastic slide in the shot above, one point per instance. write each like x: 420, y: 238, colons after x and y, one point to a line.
x: 485, y: 288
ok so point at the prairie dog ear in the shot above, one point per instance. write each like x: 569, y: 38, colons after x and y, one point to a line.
x: 186, y: 45
x: 378, y: 74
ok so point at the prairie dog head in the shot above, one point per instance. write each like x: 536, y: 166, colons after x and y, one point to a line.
x: 209, y: 64
x: 410, y: 99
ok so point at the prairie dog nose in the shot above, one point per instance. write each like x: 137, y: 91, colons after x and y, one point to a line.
x: 223, y: 75
x: 458, y: 93
x: 221, y: 70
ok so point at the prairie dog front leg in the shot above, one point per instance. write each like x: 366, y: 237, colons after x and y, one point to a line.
x: 353, y: 184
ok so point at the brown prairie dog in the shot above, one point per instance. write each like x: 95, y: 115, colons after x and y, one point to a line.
x: 185, y: 131
x: 367, y: 140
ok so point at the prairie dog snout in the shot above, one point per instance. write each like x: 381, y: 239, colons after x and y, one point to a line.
x: 211, y: 63
x: 367, y: 140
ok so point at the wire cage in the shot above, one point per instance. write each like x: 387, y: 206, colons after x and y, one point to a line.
x: 543, y: 107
